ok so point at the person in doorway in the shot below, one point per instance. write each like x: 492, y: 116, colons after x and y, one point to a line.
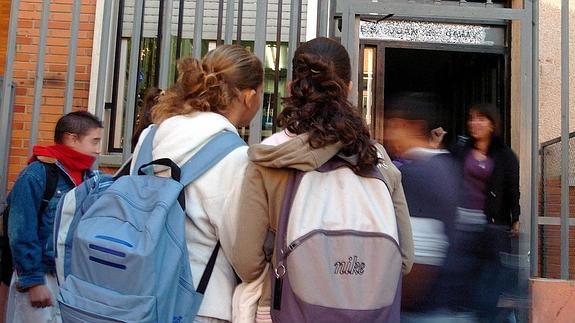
x: 488, y: 216
x: 431, y: 185
x: 220, y: 92
x: 320, y: 126
x: 33, y: 290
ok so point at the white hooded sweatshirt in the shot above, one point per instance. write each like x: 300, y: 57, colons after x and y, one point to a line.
x: 208, y: 200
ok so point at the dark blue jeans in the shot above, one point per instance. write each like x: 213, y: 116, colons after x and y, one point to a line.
x: 474, y: 276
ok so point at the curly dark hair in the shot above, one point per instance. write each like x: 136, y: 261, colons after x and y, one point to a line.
x: 318, y: 103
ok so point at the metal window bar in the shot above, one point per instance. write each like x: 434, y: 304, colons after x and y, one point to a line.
x: 275, y: 96
x: 294, y: 36
x: 180, y: 31
x: 116, y: 75
x: 160, y: 36
x: 220, y: 22
x: 6, y: 123
x: 6, y: 105
x: 259, y: 50
x: 240, y: 16
x: 360, y: 79
x: 133, y: 79
x: 323, y: 18
x: 166, y: 44
x: 564, y: 139
x: 198, y: 28
x: 39, y: 80
x: 103, y: 61
x: 534, y: 245
x: 73, y: 47
x: 229, y: 22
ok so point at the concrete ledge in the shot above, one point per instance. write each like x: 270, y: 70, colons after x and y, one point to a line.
x: 552, y: 300
x: 111, y: 160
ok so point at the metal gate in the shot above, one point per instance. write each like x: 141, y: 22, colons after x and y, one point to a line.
x: 340, y: 19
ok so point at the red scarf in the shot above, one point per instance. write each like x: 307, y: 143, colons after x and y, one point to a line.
x: 75, y: 163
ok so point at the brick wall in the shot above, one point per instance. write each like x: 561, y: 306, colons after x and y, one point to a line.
x: 55, y: 70
x: 550, y: 235
x: 4, y: 22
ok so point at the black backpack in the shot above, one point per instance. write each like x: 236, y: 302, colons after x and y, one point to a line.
x: 6, y: 265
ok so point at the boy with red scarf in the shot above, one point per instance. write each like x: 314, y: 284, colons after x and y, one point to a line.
x: 33, y: 290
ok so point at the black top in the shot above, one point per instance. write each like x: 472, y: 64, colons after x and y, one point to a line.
x: 502, y: 192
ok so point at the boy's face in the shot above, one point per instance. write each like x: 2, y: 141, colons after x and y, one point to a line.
x: 88, y: 144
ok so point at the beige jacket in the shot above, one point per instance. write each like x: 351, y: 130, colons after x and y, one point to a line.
x: 262, y: 194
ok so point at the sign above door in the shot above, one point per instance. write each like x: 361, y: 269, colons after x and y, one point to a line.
x: 432, y: 32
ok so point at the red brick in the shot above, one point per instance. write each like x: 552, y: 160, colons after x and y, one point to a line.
x: 55, y: 70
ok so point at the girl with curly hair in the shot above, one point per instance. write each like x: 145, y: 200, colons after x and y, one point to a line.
x: 320, y: 124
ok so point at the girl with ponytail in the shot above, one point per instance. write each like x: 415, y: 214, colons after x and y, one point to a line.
x: 320, y: 124
x: 218, y: 93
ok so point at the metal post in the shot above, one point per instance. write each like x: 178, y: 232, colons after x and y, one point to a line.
x: 220, y: 23
x: 133, y: 79
x: 5, y: 149
x: 323, y: 18
x: 240, y: 17
x: 295, y: 15
x: 6, y: 106
x: 229, y: 33
x: 260, y: 51
x: 158, y: 57
x: 350, y: 40
x: 331, y: 24
x: 565, y: 139
x: 166, y: 45
x: 116, y: 74
x: 525, y: 139
x: 534, y: 241
x: 180, y: 31
x: 71, y: 76
x: 277, y: 63
x: 103, y: 61
x: 198, y: 29
x: 39, y: 81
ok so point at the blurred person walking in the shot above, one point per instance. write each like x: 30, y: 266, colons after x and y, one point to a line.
x: 488, y: 217
x: 431, y: 187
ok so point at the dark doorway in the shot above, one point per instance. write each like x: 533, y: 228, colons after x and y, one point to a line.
x: 457, y: 78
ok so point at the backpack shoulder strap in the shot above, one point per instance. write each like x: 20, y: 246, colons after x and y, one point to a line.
x: 51, y: 184
x: 145, y: 152
x: 209, y: 155
x: 208, y: 271
x: 294, y: 180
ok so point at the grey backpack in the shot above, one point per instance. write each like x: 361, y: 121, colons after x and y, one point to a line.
x: 337, y: 250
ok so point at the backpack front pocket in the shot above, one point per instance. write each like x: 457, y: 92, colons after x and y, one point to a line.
x: 81, y: 301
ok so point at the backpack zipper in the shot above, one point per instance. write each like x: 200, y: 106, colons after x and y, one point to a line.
x: 297, y: 242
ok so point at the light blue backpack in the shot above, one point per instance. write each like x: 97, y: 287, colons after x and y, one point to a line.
x: 121, y: 251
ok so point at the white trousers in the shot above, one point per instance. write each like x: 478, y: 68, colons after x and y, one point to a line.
x: 19, y: 309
